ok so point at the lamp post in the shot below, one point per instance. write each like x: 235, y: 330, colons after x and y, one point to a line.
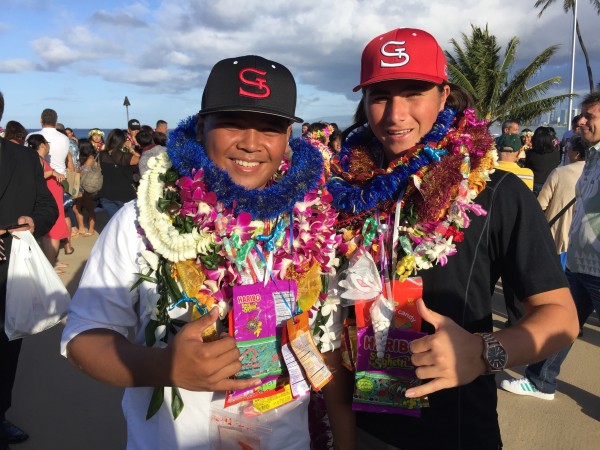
x: 126, y: 105
x: 570, y: 112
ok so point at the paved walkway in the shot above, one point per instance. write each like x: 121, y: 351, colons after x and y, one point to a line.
x: 63, y: 409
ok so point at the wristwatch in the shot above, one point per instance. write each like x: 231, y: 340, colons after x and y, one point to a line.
x: 494, y: 355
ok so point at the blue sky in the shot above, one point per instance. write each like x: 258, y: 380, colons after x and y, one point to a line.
x: 82, y: 58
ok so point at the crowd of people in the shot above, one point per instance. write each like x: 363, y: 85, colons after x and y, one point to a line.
x: 247, y: 239
x: 66, y: 159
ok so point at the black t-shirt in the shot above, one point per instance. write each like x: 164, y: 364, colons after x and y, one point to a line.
x: 513, y: 241
x: 117, y: 174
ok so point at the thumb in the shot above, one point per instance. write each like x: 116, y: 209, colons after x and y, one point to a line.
x: 204, y: 322
x: 429, y: 315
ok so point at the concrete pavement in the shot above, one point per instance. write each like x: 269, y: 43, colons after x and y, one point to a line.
x: 63, y: 409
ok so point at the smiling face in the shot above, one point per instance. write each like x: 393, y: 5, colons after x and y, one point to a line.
x: 590, y: 128
x: 401, y: 112
x: 248, y: 145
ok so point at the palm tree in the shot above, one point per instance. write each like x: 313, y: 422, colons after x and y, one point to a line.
x: 568, y: 5
x: 479, y: 68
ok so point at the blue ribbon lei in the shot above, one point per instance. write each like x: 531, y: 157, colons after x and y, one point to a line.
x: 187, y: 156
x: 355, y: 199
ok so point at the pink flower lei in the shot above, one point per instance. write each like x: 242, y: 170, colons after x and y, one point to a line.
x: 314, y: 237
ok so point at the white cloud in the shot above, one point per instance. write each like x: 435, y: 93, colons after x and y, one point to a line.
x: 118, y: 19
x: 16, y: 66
x: 54, y: 52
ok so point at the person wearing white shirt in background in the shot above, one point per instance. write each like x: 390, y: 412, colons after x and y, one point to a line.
x: 59, y: 143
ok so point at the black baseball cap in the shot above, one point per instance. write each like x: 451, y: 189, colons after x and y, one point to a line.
x: 134, y: 124
x: 250, y: 83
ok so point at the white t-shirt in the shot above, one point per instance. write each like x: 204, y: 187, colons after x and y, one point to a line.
x: 59, y: 148
x: 103, y: 300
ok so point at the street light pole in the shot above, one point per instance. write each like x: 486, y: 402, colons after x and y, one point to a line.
x: 569, y: 115
x: 126, y: 104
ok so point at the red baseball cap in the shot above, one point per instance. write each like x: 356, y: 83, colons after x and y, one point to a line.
x: 403, y: 53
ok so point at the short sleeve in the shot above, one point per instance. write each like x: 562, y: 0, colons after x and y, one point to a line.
x: 104, y: 298
x: 521, y: 241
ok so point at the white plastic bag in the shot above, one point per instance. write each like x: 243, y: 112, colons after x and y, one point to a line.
x: 36, y: 298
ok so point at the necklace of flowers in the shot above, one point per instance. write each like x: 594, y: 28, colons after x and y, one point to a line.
x: 438, y: 197
x: 381, y: 185
x: 187, y: 155
x: 183, y: 220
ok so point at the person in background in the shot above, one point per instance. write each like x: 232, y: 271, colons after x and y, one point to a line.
x: 509, y: 126
x: 526, y: 135
x: 51, y: 241
x: 583, y: 257
x: 413, y: 155
x: 85, y: 202
x: 57, y: 158
x: 15, y: 132
x: 576, y: 124
x: 24, y: 199
x: 543, y: 157
x: 133, y: 128
x: 559, y: 191
x: 96, y: 136
x: 71, y: 135
x: 149, y: 149
x: 305, y: 126
x: 117, y: 162
x: 72, y: 164
x: 335, y: 141
x: 162, y: 126
x: 73, y: 148
x: 159, y: 138
x: 509, y: 147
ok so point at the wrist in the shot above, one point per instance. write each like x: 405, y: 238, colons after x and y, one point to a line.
x: 493, y: 355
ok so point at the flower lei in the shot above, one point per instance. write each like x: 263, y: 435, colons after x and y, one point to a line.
x: 317, y: 134
x: 442, y: 175
x: 378, y: 185
x: 190, y: 216
x: 94, y: 131
x: 187, y: 156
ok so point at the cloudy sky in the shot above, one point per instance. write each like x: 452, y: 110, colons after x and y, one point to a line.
x: 83, y: 57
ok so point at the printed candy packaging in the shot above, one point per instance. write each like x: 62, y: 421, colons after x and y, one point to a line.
x: 380, y: 383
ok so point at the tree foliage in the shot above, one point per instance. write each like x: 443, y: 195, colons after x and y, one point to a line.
x: 480, y: 67
x: 569, y: 5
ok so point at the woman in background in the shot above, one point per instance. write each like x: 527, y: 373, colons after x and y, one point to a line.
x: 117, y: 162
x: 559, y: 190
x: 15, y: 132
x: 51, y: 242
x: 85, y: 201
x: 543, y: 157
x: 96, y: 136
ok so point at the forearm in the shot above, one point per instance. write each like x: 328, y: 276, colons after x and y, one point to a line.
x: 545, y: 329
x: 338, y: 399
x: 109, y: 357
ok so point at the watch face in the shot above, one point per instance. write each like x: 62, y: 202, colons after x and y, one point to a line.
x: 496, y: 357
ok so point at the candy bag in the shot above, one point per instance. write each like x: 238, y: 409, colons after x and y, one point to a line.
x: 380, y: 383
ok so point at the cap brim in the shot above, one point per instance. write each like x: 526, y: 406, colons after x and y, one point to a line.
x: 404, y: 76
x: 249, y: 109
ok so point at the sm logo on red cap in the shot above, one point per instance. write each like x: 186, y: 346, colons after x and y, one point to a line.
x: 394, y: 49
x: 253, y: 77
